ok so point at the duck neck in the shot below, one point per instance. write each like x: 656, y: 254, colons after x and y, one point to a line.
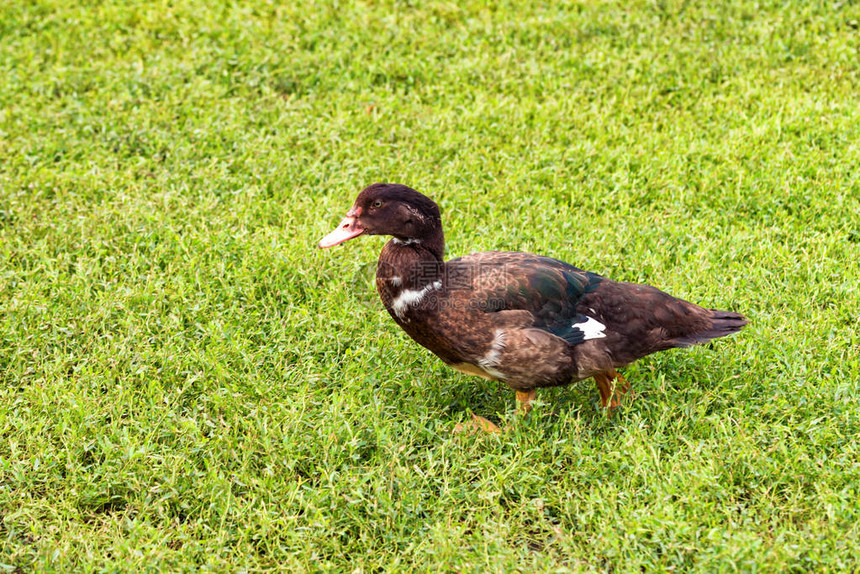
x: 411, y: 263
x: 433, y: 244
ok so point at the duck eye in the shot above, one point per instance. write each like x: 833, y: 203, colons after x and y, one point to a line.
x: 377, y: 203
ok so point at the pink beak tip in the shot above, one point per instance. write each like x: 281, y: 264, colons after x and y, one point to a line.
x: 345, y: 230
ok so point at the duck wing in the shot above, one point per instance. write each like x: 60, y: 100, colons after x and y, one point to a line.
x: 548, y: 290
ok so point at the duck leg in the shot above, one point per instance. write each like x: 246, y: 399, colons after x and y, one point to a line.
x: 612, y: 387
x: 524, y: 400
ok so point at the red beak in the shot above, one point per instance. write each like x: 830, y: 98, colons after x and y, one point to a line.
x: 345, y: 230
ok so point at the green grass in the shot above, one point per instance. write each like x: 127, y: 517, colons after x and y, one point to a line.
x: 188, y: 383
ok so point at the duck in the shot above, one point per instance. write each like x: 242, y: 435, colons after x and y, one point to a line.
x: 525, y: 320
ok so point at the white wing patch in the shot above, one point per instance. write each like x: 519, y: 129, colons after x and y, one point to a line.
x: 396, y: 281
x: 491, y: 360
x: 591, y: 329
x: 409, y: 297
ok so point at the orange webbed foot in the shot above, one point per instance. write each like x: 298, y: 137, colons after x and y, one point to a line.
x: 477, y: 424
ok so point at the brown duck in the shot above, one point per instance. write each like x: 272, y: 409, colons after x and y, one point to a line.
x: 526, y: 320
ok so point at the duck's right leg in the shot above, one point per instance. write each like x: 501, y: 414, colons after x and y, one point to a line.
x: 612, y: 387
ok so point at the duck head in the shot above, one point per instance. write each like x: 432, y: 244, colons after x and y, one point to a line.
x: 391, y: 209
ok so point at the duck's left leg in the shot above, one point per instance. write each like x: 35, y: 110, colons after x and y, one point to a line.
x: 612, y: 387
x: 524, y: 400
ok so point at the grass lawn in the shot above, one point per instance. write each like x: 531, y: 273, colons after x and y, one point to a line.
x: 186, y: 382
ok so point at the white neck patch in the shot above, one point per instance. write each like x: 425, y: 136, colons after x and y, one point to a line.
x: 405, y: 241
x: 410, y: 297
